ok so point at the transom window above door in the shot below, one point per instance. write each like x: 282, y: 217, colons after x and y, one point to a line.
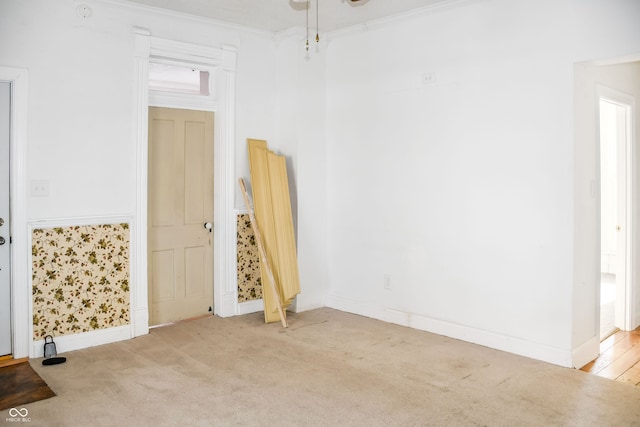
x: 178, y: 79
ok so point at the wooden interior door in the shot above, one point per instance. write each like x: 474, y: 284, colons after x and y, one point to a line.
x: 180, y: 236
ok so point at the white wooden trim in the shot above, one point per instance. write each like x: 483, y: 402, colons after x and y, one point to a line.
x: 78, y: 221
x: 398, y: 17
x: 178, y: 100
x: 300, y: 308
x: 176, y: 52
x: 20, y: 250
x: 82, y: 340
x: 586, y: 353
x: 225, y: 242
x: 221, y: 62
x: 139, y: 292
x: 147, y: 10
x: 510, y: 344
x: 253, y: 306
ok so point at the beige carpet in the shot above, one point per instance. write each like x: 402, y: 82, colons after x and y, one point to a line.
x: 328, y: 368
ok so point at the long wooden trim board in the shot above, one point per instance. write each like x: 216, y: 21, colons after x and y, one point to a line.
x: 272, y: 206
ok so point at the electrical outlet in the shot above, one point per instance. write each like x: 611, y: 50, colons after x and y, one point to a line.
x: 84, y: 11
x: 39, y: 188
x: 387, y: 282
x: 428, y: 78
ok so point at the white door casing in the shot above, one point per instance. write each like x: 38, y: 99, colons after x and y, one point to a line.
x: 20, y: 269
x: 624, y: 313
x: 5, y: 225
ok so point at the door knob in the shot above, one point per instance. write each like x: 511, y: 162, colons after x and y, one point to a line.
x: 208, y: 226
x: 2, y: 241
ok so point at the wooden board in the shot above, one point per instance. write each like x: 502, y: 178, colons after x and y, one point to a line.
x: 264, y: 263
x: 272, y: 205
x: 261, y: 191
x: 283, y: 224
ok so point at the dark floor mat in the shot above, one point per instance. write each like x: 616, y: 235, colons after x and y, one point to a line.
x: 20, y: 384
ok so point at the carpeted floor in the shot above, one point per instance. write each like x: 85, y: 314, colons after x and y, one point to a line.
x: 328, y: 368
x: 20, y: 385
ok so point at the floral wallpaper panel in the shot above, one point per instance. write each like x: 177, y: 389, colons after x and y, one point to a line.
x: 80, y: 279
x: 248, y: 262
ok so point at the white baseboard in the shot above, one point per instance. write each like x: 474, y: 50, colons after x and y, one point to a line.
x: 82, y: 340
x: 250, y: 307
x: 586, y: 352
x: 258, y: 305
x: 229, y: 304
x: 299, y: 308
x: 140, y: 322
x: 465, y: 333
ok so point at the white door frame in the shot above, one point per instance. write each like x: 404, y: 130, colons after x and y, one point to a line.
x: 20, y: 270
x: 221, y: 62
x: 625, y: 299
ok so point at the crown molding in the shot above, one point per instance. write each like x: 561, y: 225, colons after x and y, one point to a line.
x: 398, y: 17
x: 186, y: 16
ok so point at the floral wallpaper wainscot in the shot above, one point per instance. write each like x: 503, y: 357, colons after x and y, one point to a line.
x: 248, y: 262
x: 80, y: 279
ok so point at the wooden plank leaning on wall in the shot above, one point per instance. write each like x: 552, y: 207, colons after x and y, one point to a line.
x: 272, y: 205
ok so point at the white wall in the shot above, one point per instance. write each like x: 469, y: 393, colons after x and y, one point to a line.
x: 81, y: 95
x: 302, y: 123
x: 462, y: 190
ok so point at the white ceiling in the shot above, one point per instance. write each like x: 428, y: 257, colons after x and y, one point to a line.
x: 279, y: 15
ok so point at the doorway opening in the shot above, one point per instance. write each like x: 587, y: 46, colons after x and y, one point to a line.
x: 617, y: 81
x: 180, y: 193
x: 615, y: 137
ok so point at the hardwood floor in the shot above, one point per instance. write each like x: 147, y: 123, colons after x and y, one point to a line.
x: 619, y: 358
x: 9, y: 360
x: 20, y: 384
